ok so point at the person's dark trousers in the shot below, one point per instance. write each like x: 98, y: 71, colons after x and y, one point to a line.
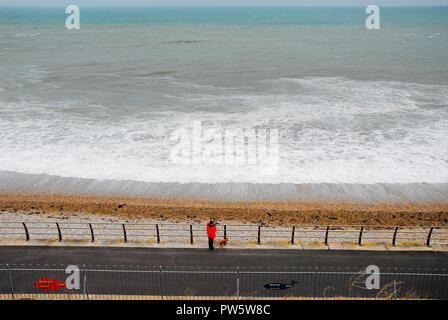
x: 210, y: 243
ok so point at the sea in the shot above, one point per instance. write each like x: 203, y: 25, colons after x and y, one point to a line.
x: 361, y: 114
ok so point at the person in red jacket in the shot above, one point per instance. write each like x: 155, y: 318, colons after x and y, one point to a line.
x: 211, y: 233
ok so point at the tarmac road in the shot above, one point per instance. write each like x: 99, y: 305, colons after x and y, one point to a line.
x: 226, y: 272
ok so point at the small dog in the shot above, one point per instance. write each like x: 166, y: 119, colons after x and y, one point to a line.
x: 223, y: 243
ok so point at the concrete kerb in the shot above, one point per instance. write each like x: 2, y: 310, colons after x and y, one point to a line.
x: 300, y: 245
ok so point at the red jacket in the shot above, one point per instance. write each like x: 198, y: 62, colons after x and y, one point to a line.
x: 211, y: 231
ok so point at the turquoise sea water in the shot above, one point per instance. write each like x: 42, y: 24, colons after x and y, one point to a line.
x: 361, y: 114
x: 241, y: 16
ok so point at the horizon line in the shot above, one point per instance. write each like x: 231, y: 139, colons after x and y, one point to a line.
x: 225, y: 6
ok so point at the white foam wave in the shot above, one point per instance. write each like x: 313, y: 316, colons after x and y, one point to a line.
x: 332, y: 130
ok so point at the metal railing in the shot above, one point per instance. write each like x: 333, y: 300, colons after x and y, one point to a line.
x: 423, y: 235
x: 163, y: 283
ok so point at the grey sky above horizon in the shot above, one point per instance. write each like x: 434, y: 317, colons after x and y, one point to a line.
x: 162, y: 3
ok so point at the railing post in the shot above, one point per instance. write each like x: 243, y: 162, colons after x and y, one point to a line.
x: 259, y: 235
x: 158, y: 234
x: 395, y: 236
x: 125, y: 236
x: 191, y: 234
x: 395, y: 290
x: 160, y: 282
x: 10, y: 281
x: 59, y: 232
x: 225, y: 232
x: 428, y: 240
x: 292, y: 235
x: 238, y: 283
x: 360, y: 236
x: 26, y: 232
x: 326, y: 236
x: 91, y: 232
x: 85, y: 291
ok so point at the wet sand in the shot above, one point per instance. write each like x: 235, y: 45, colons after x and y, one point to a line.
x: 272, y: 213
